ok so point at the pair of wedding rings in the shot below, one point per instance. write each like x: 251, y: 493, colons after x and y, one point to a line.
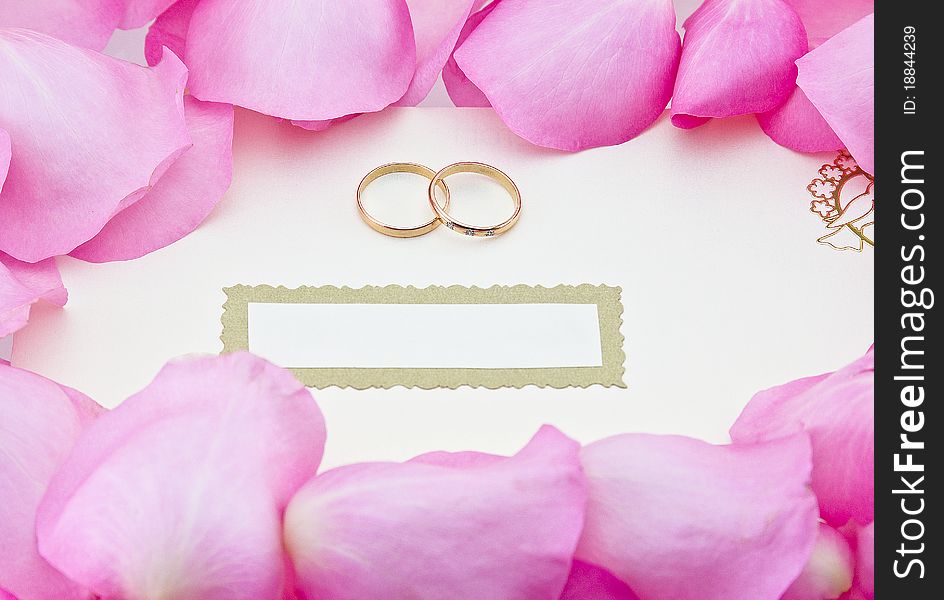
x: 437, y: 182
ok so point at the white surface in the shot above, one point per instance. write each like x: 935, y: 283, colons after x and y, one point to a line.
x: 426, y: 336
x: 708, y: 232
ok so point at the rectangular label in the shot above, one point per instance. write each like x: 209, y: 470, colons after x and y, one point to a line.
x: 432, y: 337
x: 426, y: 336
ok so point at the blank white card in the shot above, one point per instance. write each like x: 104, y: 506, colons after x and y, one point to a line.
x: 426, y: 336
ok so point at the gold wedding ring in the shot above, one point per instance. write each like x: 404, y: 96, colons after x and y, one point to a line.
x: 480, y: 169
x: 401, y: 232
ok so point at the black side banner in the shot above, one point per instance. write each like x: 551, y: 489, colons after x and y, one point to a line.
x: 909, y: 370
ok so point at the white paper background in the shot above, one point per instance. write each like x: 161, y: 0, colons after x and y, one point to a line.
x: 707, y: 231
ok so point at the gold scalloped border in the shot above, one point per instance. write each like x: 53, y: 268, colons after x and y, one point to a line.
x: 235, y: 335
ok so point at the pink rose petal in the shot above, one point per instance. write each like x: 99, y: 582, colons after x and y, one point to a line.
x: 22, y: 285
x: 322, y: 125
x: 85, y: 23
x: 505, y: 528
x: 590, y: 582
x: 680, y: 519
x: 169, y: 29
x: 845, y: 63
x: 179, y: 491
x: 458, y: 460
x: 436, y: 27
x: 796, y: 124
x: 837, y: 410
x: 139, y: 13
x: 90, y: 135
x: 5, y: 155
x: 39, y: 422
x: 308, y: 61
x: 183, y: 197
x: 574, y: 75
x: 822, y: 20
x: 738, y: 58
x: 865, y: 561
x: 828, y: 573
x: 462, y: 91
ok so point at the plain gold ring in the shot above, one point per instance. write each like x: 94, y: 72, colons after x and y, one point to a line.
x: 399, y: 232
x: 480, y: 169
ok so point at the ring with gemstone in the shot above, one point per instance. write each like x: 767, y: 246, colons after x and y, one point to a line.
x: 391, y: 230
x: 480, y: 169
